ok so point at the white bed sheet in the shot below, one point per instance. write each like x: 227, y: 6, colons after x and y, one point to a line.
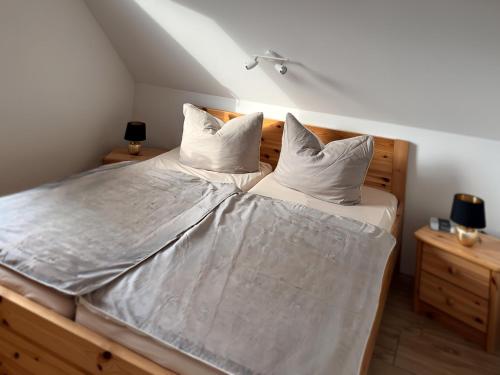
x: 45, y: 296
x: 377, y: 207
x: 244, y: 181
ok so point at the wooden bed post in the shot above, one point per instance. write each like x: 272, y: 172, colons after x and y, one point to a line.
x: 399, y: 172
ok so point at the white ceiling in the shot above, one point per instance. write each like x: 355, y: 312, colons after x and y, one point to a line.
x: 424, y: 63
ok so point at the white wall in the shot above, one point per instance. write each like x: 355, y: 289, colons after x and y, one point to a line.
x: 65, y: 94
x: 432, y: 64
x: 440, y: 164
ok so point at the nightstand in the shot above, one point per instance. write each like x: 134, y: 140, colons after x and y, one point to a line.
x: 459, y: 286
x: 121, y: 154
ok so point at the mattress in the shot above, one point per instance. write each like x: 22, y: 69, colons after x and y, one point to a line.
x: 244, y: 181
x: 45, y: 296
x: 377, y: 207
x: 143, y: 344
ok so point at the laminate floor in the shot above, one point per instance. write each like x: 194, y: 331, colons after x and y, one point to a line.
x: 411, y: 344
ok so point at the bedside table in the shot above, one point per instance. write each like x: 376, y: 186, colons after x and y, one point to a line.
x: 460, y: 286
x: 121, y: 154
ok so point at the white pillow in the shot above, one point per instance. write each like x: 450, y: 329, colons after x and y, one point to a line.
x: 332, y: 172
x: 209, y: 143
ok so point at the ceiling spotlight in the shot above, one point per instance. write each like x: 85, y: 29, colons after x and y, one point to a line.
x: 252, y: 64
x: 269, y: 56
x: 282, y: 69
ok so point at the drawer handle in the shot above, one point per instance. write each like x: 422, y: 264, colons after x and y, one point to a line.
x: 450, y: 301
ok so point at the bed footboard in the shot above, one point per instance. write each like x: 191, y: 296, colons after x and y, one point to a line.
x: 36, y: 340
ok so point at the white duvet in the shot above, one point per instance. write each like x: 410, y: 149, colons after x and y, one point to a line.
x: 259, y: 286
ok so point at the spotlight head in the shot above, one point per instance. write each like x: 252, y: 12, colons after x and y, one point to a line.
x: 252, y: 64
x: 282, y: 69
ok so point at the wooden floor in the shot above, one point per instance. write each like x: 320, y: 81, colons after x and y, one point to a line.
x: 413, y: 344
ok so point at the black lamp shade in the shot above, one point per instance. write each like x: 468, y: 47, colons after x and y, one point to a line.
x: 136, y: 131
x: 468, y: 211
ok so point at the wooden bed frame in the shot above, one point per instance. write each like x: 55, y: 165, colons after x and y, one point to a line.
x: 36, y: 340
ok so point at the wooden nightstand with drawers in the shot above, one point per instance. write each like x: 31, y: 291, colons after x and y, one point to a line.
x: 459, y: 286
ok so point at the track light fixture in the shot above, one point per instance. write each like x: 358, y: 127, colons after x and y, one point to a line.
x: 252, y: 64
x: 282, y: 69
x: 269, y: 56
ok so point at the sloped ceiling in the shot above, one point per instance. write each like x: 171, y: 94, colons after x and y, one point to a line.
x: 427, y: 63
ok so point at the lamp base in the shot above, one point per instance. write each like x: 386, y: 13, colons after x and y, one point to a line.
x: 134, y: 148
x: 467, y: 236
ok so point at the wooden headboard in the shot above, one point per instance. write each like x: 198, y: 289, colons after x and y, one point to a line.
x: 388, y: 167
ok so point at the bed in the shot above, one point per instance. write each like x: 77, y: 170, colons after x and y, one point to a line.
x: 387, y: 172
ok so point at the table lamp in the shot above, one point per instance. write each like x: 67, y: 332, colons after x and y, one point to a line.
x: 468, y: 213
x: 135, y: 134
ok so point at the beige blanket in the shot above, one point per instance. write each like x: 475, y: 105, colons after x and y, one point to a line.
x: 259, y: 286
x: 80, y: 233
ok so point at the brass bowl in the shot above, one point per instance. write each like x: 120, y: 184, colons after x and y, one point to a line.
x: 134, y: 148
x: 467, y: 236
